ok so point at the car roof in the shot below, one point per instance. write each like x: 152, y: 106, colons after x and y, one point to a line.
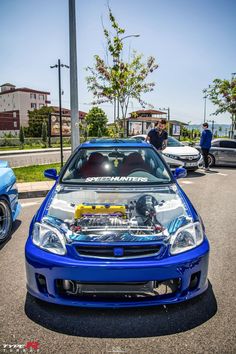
x: 119, y: 142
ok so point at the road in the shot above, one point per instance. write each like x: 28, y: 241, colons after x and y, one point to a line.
x: 35, y: 158
x: 203, y: 325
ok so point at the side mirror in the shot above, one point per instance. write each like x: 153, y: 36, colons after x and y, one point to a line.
x: 180, y: 172
x: 51, y: 173
x: 4, y: 164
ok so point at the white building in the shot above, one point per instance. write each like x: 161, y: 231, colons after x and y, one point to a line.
x: 15, y: 104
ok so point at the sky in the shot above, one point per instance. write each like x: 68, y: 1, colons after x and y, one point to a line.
x: 193, y: 42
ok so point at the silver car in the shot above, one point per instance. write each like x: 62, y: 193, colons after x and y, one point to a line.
x: 222, y: 152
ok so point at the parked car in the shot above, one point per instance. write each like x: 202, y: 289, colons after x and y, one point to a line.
x: 177, y: 153
x: 116, y: 230
x: 222, y: 152
x: 9, y: 205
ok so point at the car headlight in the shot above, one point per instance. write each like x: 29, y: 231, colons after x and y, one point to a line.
x: 171, y: 156
x: 49, y: 238
x: 186, y: 238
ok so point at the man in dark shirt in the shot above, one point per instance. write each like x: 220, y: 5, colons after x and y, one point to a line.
x: 158, y: 136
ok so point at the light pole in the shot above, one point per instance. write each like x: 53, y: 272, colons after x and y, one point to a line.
x: 212, y: 125
x: 75, y: 138
x: 59, y: 66
x: 130, y: 35
x: 168, y: 117
x: 205, y: 98
x: 233, y: 114
x: 117, y: 100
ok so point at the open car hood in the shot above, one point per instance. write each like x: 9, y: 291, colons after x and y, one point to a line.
x: 117, y: 214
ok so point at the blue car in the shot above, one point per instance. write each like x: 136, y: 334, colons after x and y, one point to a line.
x: 9, y: 205
x: 116, y: 230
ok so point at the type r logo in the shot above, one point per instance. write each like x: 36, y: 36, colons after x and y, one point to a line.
x: 118, y: 252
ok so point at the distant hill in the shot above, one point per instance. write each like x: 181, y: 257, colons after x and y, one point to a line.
x: 222, y: 129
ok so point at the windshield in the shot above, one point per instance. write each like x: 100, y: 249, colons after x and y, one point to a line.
x: 116, y: 165
x: 172, y: 142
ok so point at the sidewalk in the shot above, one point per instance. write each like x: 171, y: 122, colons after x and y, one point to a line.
x: 34, y: 189
x: 31, y: 151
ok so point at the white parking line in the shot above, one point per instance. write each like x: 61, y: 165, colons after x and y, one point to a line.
x: 222, y: 174
x: 25, y: 205
x: 186, y: 182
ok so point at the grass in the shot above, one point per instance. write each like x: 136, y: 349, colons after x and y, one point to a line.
x: 33, y: 173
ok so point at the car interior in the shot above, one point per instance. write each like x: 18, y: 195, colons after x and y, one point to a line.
x: 123, y: 162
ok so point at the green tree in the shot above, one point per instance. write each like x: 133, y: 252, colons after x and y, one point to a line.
x: 44, y: 133
x: 184, y: 132
x: 120, y: 81
x: 36, y: 119
x: 22, y: 136
x: 222, y: 94
x: 96, y: 120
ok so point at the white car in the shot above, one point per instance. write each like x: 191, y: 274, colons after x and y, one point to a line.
x: 178, y: 154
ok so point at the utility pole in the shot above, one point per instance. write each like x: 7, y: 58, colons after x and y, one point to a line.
x: 205, y: 98
x: 233, y: 118
x: 117, y: 100
x: 212, y: 125
x: 75, y: 137
x: 168, y: 118
x: 59, y: 65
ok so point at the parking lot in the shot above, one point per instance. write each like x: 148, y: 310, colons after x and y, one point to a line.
x: 202, y: 325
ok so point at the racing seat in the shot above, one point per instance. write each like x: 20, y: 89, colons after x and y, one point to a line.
x: 132, y: 162
x: 94, y: 167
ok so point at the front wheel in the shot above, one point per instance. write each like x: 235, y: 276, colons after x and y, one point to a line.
x: 211, y: 160
x: 5, y: 220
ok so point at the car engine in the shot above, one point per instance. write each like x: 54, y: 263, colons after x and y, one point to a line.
x: 138, y: 216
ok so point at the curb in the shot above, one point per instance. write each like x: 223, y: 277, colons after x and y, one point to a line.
x: 32, y: 194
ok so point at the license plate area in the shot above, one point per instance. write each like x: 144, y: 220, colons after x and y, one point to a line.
x: 190, y: 164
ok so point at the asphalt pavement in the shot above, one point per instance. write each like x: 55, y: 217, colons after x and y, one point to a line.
x: 206, y: 324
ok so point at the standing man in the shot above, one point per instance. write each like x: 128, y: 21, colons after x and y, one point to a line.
x: 158, y: 136
x: 205, y: 144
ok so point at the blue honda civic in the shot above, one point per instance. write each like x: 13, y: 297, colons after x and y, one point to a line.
x: 116, y: 230
x: 9, y: 203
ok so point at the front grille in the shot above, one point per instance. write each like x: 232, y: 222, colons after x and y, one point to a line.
x: 190, y: 158
x: 118, y: 252
x: 78, y: 289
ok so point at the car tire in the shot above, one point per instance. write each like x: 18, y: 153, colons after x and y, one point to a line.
x: 211, y: 160
x: 5, y: 220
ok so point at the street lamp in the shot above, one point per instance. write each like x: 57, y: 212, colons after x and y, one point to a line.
x: 212, y: 125
x: 131, y: 35
x: 205, y: 98
x: 233, y: 115
x: 59, y: 66
x: 116, y: 101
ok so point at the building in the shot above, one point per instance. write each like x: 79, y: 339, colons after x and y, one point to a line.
x: 66, y: 111
x: 15, y: 104
x: 141, y: 121
x: 54, y: 122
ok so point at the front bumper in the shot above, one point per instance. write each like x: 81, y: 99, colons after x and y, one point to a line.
x: 53, y: 267
x: 188, y: 164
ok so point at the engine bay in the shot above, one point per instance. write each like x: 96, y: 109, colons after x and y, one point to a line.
x: 115, y: 215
